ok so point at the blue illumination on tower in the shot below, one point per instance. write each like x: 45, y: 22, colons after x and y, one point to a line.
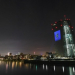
x: 57, y: 35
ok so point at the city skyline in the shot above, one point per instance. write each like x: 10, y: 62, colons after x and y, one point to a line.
x: 25, y: 26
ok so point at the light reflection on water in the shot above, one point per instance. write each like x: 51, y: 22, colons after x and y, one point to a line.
x: 54, y: 67
x: 63, y: 68
x: 43, y: 68
x: 46, y: 67
x: 6, y: 66
x: 16, y: 64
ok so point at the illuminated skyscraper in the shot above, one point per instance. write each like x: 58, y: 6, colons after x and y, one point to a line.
x: 64, y: 38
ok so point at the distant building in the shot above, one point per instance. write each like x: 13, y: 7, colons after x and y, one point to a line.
x: 9, y: 54
x: 1, y: 57
x: 43, y: 58
x: 49, y: 55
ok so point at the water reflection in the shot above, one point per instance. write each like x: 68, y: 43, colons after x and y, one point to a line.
x: 26, y: 66
x: 13, y: 64
x: 36, y: 67
x: 43, y: 68
x: 63, y: 68
x: 6, y: 66
x: 30, y: 66
x: 20, y: 64
x: 0, y: 62
x: 73, y: 69
x: 70, y: 71
x: 46, y: 67
x: 54, y: 67
x: 9, y: 63
x: 16, y: 64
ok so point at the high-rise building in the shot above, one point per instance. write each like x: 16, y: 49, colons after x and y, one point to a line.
x: 64, y: 38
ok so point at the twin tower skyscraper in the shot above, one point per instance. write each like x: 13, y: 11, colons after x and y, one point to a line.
x: 64, y: 38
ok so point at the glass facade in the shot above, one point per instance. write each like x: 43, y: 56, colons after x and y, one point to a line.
x: 68, y: 40
x: 65, y: 45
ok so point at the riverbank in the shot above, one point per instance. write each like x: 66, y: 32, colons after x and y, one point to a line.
x: 51, y: 62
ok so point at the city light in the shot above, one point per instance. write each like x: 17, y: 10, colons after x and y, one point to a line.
x: 60, y: 19
x: 51, y: 24
x: 61, y: 24
x: 52, y: 29
x: 8, y: 53
x: 64, y: 15
x: 34, y: 53
x: 56, y: 27
x: 55, y: 22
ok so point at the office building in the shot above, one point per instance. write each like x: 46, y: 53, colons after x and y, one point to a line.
x: 64, y: 38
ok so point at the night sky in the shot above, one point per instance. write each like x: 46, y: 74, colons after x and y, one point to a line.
x: 25, y: 25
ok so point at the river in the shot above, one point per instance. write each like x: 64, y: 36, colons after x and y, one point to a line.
x: 19, y: 68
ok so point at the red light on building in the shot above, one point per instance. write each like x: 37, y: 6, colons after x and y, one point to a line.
x: 55, y: 22
x: 71, y: 27
x: 56, y: 27
x: 67, y: 19
x: 51, y: 24
x: 61, y: 24
x: 60, y: 19
x: 52, y: 29
x: 64, y: 15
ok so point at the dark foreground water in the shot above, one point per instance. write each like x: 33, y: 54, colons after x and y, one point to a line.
x: 19, y: 68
